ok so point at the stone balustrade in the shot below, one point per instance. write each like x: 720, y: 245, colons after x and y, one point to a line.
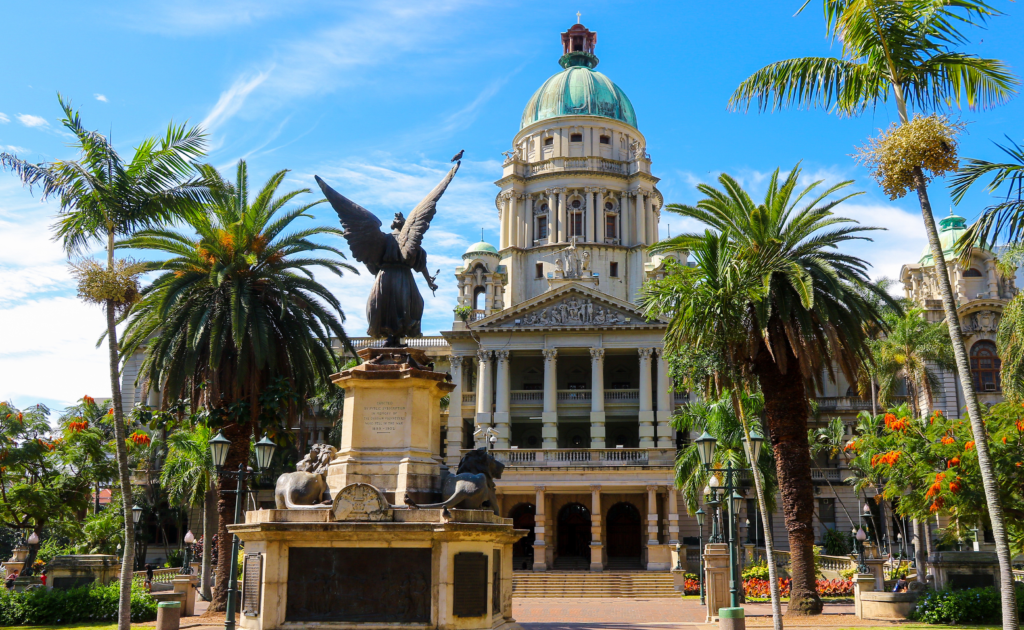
x: 516, y: 457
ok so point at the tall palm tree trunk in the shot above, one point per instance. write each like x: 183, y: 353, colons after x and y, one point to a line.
x: 124, y: 611
x: 995, y: 507
x: 209, y: 531
x: 238, y: 453
x: 785, y: 405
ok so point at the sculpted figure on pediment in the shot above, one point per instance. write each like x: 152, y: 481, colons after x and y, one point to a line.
x: 599, y: 315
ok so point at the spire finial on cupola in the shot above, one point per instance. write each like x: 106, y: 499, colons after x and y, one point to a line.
x: 578, y: 46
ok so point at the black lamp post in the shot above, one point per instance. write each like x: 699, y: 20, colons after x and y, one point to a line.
x: 219, y: 447
x: 706, y: 447
x: 136, y: 518
x: 700, y: 562
x: 186, y: 567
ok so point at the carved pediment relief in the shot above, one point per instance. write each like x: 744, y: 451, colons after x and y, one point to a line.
x: 575, y: 311
x: 980, y: 322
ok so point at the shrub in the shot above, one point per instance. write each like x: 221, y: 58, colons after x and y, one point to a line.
x: 967, y: 606
x: 836, y: 543
x: 175, y: 558
x: 49, y: 607
x: 756, y: 571
x: 690, y: 584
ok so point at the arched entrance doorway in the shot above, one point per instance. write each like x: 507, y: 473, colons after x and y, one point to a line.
x: 624, y: 536
x: 523, y: 517
x: 573, y: 537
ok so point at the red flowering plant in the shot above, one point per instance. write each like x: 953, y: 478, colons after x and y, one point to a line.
x: 929, y: 465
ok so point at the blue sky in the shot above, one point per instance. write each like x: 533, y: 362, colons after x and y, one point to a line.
x: 376, y: 96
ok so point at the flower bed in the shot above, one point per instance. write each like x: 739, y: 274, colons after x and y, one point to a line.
x: 756, y: 587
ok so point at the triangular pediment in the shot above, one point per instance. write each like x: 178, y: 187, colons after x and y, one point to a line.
x: 571, y: 306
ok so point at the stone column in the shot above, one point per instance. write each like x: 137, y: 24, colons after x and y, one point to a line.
x: 524, y: 220
x: 624, y: 219
x: 597, y: 430
x: 483, y: 391
x: 528, y: 216
x: 652, y: 223
x: 453, y: 446
x: 549, y: 417
x: 596, y: 546
x: 504, y: 212
x: 641, y: 218
x: 540, y: 562
x: 646, y: 414
x: 563, y: 217
x: 664, y: 414
x: 552, y: 216
x: 652, y: 526
x: 599, y: 216
x: 673, y: 516
x: 588, y: 215
x: 993, y: 282
x: 502, y: 415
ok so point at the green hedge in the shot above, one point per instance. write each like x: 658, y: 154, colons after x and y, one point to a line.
x: 967, y: 606
x: 50, y: 607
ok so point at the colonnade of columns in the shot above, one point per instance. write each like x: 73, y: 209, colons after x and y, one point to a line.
x: 544, y: 538
x: 653, y: 422
x: 636, y: 217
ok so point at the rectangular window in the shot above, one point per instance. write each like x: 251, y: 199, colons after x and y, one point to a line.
x: 827, y: 512
x: 540, y: 270
x: 613, y: 269
x: 549, y: 142
x: 577, y: 224
x: 609, y: 226
x: 606, y: 140
x: 576, y: 137
x: 542, y: 227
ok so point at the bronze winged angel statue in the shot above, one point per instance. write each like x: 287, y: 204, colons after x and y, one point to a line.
x: 395, y: 306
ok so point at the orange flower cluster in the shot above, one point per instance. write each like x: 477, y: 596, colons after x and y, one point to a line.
x: 893, y: 424
x: 954, y: 486
x: 934, y: 490
x: 47, y: 445
x: 1020, y: 426
x: 953, y: 462
x: 20, y: 418
x: 850, y: 446
x: 947, y: 440
x: 89, y: 400
x: 940, y: 476
x: 1004, y: 439
x: 78, y: 425
x: 969, y: 445
x: 110, y: 411
x: 889, y: 458
x: 937, y: 505
x: 935, y: 414
x: 139, y: 438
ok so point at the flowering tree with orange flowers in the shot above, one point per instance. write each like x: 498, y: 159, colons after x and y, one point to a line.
x: 930, y: 465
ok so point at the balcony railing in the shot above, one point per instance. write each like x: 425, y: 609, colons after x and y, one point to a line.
x: 515, y: 457
x: 574, y: 395
x: 826, y: 474
x: 468, y: 398
x: 527, y: 396
x: 621, y: 395
x: 853, y: 403
x: 599, y: 164
x: 433, y: 341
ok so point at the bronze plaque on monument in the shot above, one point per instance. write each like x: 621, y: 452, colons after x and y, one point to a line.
x: 362, y: 584
x: 470, y: 585
x: 252, y: 580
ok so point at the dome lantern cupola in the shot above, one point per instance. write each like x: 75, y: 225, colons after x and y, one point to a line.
x: 578, y: 47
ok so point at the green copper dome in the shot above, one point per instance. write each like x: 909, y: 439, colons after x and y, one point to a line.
x: 575, y: 91
x: 478, y: 248
x: 950, y: 230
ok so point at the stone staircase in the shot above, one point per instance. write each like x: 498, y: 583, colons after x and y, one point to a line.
x: 636, y: 584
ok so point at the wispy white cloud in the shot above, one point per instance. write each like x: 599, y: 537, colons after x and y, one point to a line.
x: 32, y: 121
x: 100, y: 97
x: 232, y: 99
x: 190, y: 18
x: 12, y: 148
x: 4, y: 119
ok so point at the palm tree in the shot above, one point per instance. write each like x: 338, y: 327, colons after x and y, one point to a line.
x: 103, y: 197
x: 707, y: 309
x: 910, y: 353
x: 189, y: 478
x: 235, y: 310
x: 906, y: 48
x: 1002, y: 219
x: 807, y: 318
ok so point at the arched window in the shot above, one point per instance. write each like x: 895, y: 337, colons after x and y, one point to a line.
x: 972, y: 273
x: 985, y: 366
x: 479, y: 296
x: 576, y: 218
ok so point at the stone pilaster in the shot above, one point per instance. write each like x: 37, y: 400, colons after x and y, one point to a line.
x: 483, y: 392
x: 665, y: 403
x: 453, y: 444
x: 540, y: 562
x: 502, y: 412
x: 596, y: 545
x: 646, y: 413
x: 597, y: 414
x: 549, y: 431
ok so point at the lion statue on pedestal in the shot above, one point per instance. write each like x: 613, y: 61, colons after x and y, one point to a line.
x: 472, y: 485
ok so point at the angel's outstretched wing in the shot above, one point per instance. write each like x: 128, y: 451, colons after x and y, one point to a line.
x: 419, y: 219
x: 362, y: 228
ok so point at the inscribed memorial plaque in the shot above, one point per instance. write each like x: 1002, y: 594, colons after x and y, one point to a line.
x: 363, y: 584
x: 252, y: 580
x: 470, y: 585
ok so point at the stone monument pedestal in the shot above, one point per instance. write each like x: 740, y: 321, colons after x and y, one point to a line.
x: 964, y: 569
x: 391, y: 434
x: 78, y: 570
x: 406, y: 568
x: 716, y: 579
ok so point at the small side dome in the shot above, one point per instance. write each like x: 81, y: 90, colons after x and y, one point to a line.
x: 951, y: 229
x: 480, y: 248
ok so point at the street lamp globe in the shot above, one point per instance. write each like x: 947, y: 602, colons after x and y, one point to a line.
x: 861, y: 535
x: 264, y: 452
x: 700, y: 517
x: 867, y: 509
x: 136, y: 514
x: 737, y: 501
x: 219, y: 446
x: 189, y: 538
x: 33, y: 539
x: 706, y: 446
